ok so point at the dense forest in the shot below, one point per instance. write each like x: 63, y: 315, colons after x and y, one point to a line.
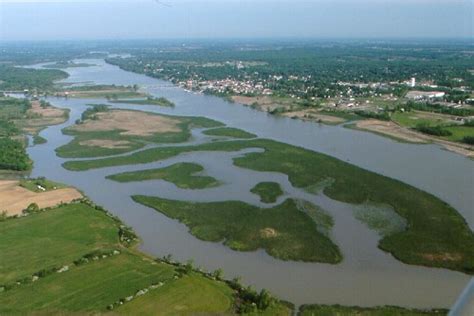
x: 13, y: 155
x: 16, y: 78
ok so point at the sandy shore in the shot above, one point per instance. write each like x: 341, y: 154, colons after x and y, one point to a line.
x: 394, y: 130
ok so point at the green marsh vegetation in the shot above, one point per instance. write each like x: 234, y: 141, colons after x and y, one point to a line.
x: 148, y: 101
x: 268, y: 191
x: 183, y: 175
x: 229, y: 132
x: 110, y: 92
x: 245, y: 227
x: 331, y: 310
x: 436, y: 234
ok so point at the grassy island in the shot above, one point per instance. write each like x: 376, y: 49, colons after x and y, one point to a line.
x: 436, y: 234
x: 246, y: 227
x: 148, y: 101
x: 229, y: 132
x: 103, y: 131
x: 268, y: 191
x: 183, y: 175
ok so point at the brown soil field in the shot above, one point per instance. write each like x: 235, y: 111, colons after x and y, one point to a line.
x: 14, y: 198
x: 106, y: 143
x: 132, y: 123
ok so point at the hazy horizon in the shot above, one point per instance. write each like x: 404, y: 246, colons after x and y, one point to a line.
x: 27, y: 20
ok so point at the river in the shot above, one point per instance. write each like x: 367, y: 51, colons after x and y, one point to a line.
x: 367, y: 276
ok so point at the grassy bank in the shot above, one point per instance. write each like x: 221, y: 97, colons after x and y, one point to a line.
x: 436, y: 235
x: 331, y: 310
x: 229, y: 132
x: 183, y: 175
x: 245, y: 227
x: 76, y: 259
x: 268, y: 191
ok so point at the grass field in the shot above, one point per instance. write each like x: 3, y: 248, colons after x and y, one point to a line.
x: 413, y: 119
x: 40, y: 272
x: 333, y: 310
x: 190, y: 294
x: 52, y: 238
x: 436, y: 235
x: 268, y: 191
x: 245, y: 227
x: 183, y: 175
x: 229, y: 132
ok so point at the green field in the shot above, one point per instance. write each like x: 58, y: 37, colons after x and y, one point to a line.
x: 229, y: 132
x: 190, y: 294
x: 52, y: 238
x: 70, y: 260
x: 412, y: 120
x: 246, y: 227
x: 436, y: 234
x: 333, y: 310
x: 148, y: 101
x: 183, y: 175
x: 74, y: 149
x: 268, y: 191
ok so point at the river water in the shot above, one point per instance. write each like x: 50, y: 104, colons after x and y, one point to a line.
x: 367, y: 276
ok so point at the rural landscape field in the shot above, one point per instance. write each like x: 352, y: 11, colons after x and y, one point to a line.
x: 156, y: 159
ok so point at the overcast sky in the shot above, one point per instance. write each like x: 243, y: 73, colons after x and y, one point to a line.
x: 112, y: 19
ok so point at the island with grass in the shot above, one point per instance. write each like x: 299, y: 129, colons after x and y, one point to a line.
x: 184, y: 175
x: 103, y: 131
x: 437, y: 236
x: 268, y: 191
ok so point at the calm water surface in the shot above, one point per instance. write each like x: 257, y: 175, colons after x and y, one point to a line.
x: 367, y: 276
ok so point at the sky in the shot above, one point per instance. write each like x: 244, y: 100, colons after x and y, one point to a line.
x: 193, y: 19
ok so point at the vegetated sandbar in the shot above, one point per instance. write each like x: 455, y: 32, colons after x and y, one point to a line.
x: 436, y: 234
x: 148, y: 101
x: 183, y: 175
x: 283, y: 231
x: 103, y: 131
x: 268, y: 191
x: 229, y: 132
